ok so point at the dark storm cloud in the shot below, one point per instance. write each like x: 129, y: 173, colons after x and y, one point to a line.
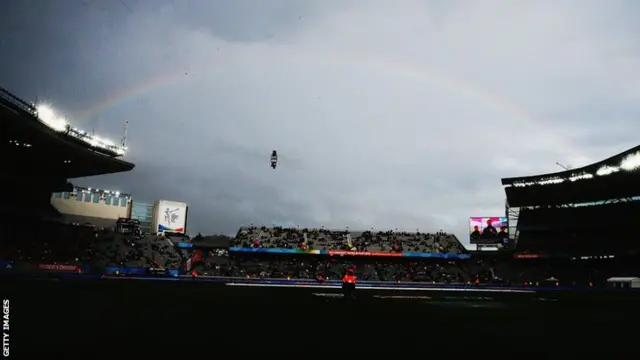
x: 387, y: 114
x: 42, y: 40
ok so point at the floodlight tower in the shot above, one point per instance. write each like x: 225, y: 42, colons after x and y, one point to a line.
x: 124, y: 137
x: 568, y: 167
x: 126, y: 130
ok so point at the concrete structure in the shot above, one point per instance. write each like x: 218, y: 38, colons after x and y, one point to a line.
x: 624, y: 282
x: 89, y: 205
x: 41, y: 151
x: 103, y: 208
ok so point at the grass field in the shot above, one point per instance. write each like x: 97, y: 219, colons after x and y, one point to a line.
x: 123, y: 316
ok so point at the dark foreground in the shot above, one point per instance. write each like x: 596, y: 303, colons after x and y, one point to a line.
x: 133, y: 318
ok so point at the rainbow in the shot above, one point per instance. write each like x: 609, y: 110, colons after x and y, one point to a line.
x: 414, y: 73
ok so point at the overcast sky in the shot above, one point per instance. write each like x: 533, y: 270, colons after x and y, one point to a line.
x: 387, y: 114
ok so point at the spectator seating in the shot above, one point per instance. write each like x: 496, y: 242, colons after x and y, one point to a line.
x: 55, y: 243
x: 590, y: 229
x: 138, y: 252
x: 322, y: 239
x: 42, y: 242
x: 501, y: 271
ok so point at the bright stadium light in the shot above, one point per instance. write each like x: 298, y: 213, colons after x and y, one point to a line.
x: 606, y: 170
x: 631, y: 162
x: 628, y: 163
x: 48, y: 117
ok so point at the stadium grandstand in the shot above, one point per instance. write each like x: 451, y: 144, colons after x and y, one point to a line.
x: 589, y: 211
x: 581, y: 212
x: 52, y: 224
x: 43, y: 152
x: 417, y: 244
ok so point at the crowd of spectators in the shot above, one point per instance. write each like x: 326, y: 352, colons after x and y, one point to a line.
x: 322, y: 239
x: 77, y: 244
x: 139, y: 251
x: 39, y: 242
x: 333, y: 268
x: 566, y: 230
x: 48, y: 243
x: 504, y: 271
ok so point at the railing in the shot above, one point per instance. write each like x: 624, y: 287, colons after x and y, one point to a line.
x: 95, y: 144
x: 86, y: 138
x: 16, y: 101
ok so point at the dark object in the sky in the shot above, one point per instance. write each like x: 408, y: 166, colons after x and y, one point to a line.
x: 274, y: 159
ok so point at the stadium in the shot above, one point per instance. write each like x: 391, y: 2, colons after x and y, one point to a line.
x: 565, y: 236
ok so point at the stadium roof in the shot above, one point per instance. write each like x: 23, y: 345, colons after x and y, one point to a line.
x: 616, y: 186
x: 612, y: 178
x: 601, y: 168
x: 33, y: 147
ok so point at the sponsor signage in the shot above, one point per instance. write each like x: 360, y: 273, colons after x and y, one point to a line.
x: 158, y: 271
x: 54, y: 267
x: 351, y: 253
x: 364, y: 253
x: 526, y: 256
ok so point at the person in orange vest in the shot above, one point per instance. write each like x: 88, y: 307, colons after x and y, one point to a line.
x: 349, y: 284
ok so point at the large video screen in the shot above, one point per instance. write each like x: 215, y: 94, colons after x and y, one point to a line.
x: 489, y: 230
